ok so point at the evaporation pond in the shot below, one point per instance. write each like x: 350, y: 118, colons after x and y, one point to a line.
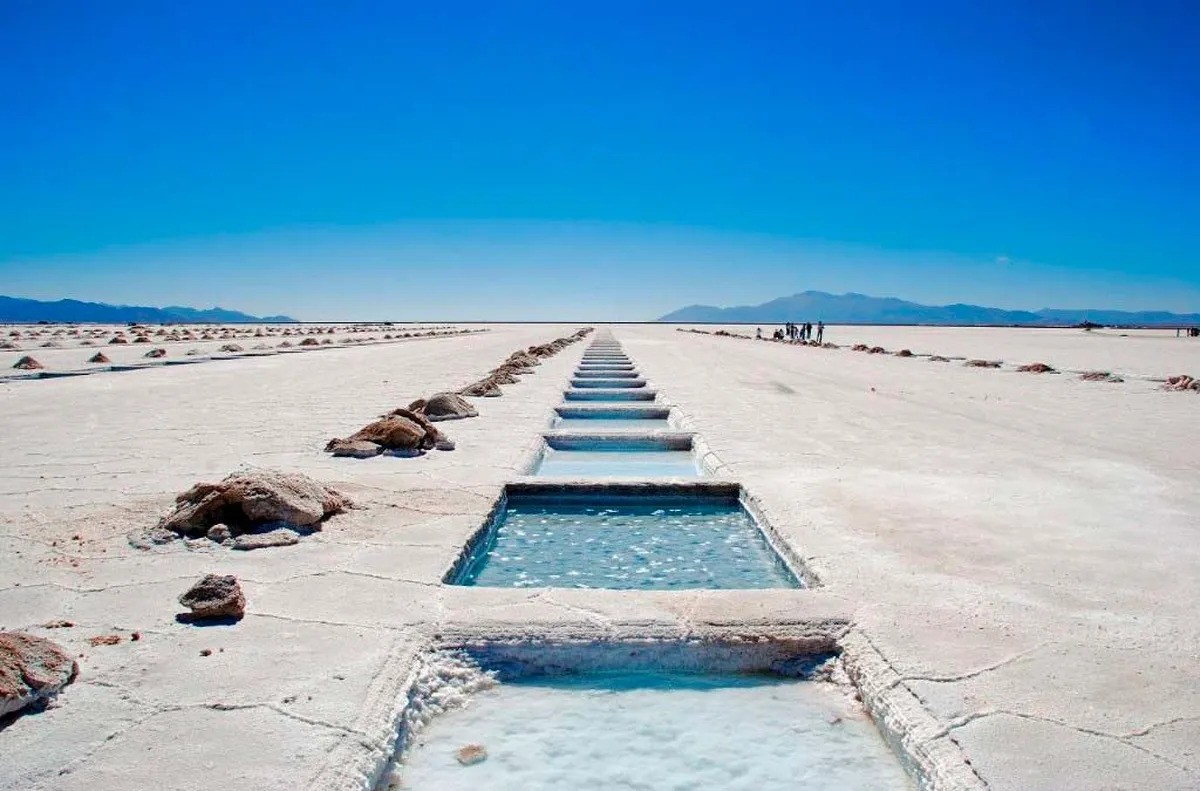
x: 611, y: 423
x: 656, y: 731
x: 628, y: 543
x: 632, y: 462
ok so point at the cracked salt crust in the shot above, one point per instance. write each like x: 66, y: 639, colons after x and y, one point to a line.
x: 1015, y: 555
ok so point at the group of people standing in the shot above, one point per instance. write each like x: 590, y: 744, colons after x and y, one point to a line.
x: 798, y: 332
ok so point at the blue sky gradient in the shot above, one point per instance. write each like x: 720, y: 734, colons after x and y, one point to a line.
x: 601, y: 160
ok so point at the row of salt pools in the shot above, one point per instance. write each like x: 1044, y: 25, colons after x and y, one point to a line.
x: 579, y: 521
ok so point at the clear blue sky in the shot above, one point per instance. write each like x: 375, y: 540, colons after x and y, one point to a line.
x: 607, y: 159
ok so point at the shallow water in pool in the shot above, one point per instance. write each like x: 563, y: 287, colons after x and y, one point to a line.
x: 665, y: 545
x: 657, y: 732
x: 618, y: 463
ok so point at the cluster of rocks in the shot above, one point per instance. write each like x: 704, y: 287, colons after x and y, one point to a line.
x: 409, y: 431
x: 247, y: 511
x: 1181, y: 383
x: 402, y: 431
x: 142, y: 334
x: 519, y: 363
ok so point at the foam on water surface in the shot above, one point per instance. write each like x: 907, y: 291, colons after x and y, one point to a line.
x: 660, y: 731
x: 662, y: 545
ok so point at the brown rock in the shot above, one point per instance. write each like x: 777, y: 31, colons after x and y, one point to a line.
x: 982, y: 363
x: 32, y: 669
x: 937, y: 358
x: 392, y: 432
x: 1181, y: 383
x: 99, y: 357
x: 355, y: 449
x: 244, y: 500
x: 1100, y: 376
x: 447, y: 406
x: 1036, y: 368
x: 27, y: 363
x: 104, y: 639
x: 471, y: 754
x: 230, y: 347
x: 904, y: 353
x: 215, y: 596
x: 271, y: 538
x: 485, y: 388
x: 156, y: 353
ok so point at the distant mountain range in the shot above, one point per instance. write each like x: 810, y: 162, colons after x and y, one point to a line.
x: 862, y: 309
x: 15, y: 309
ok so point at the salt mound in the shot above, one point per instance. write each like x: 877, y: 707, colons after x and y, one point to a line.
x: 27, y: 363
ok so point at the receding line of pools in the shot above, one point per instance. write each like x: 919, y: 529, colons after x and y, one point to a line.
x: 625, y: 537
x: 761, y: 715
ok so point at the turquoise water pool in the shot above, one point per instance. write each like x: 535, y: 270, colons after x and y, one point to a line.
x: 645, y: 543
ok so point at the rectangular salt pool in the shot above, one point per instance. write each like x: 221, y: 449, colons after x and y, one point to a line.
x: 610, y: 394
x: 612, y: 462
x: 610, y: 424
x: 630, y: 542
x: 655, y: 730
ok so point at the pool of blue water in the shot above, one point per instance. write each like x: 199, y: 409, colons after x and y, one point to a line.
x: 644, y: 543
x: 662, y: 731
x: 613, y: 394
x: 610, y: 424
x: 617, y: 463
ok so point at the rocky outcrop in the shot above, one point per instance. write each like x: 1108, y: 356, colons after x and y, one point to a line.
x: 215, y: 596
x: 484, y: 388
x: 444, y: 406
x: 1181, y: 383
x: 245, y: 500
x: 1100, y: 376
x: 354, y: 449
x: 32, y: 670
